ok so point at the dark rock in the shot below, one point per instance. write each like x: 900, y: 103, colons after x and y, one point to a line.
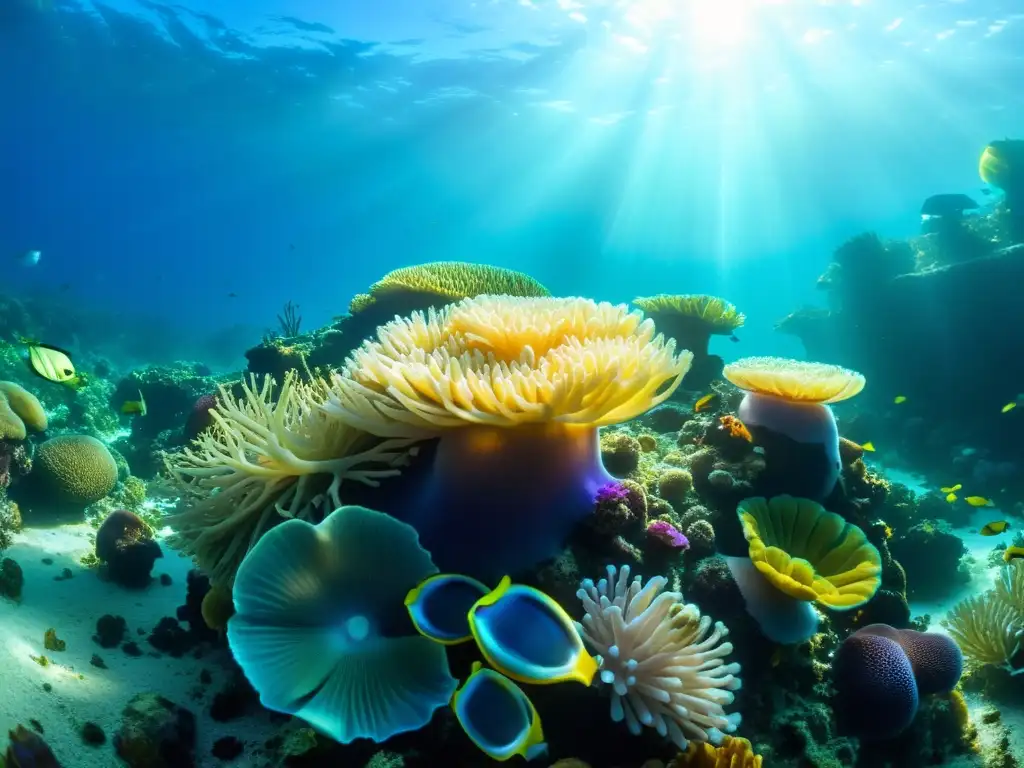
x: 97, y: 661
x: 110, y: 631
x: 125, y: 543
x: 227, y: 748
x: 12, y: 580
x: 156, y: 733
x: 92, y: 734
x: 166, y: 580
x: 170, y: 637
x: 132, y: 649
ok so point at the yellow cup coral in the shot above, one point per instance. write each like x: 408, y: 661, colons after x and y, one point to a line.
x: 790, y: 398
x: 516, y: 389
x: 805, y: 553
x: 733, y: 752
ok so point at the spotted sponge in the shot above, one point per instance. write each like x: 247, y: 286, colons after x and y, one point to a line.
x: 880, y: 673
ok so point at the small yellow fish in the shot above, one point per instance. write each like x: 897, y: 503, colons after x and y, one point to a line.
x: 951, y: 488
x: 978, y: 501
x: 136, y: 407
x: 950, y: 497
x: 705, y: 402
x: 1009, y: 407
x: 868, y: 446
x: 53, y: 364
x: 1012, y: 553
x: 994, y: 528
x: 899, y: 399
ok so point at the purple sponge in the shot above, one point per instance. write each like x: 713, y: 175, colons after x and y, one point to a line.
x: 880, y: 673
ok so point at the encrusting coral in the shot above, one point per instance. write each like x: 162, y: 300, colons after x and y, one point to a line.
x: 733, y: 752
x: 516, y: 389
x: 661, y: 658
x: 263, y: 460
x: 989, y: 628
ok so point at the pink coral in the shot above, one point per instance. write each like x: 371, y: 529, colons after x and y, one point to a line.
x: 666, y: 533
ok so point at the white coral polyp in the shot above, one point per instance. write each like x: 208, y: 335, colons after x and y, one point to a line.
x: 655, y: 651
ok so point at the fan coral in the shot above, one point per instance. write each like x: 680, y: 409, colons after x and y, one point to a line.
x: 515, y: 389
x: 801, y: 552
x: 790, y: 398
x: 262, y: 460
x: 316, y: 609
x: 881, y: 672
x: 19, y: 409
x: 732, y: 753
x: 74, y: 469
x: 665, y: 669
x: 990, y: 628
x: 691, y: 320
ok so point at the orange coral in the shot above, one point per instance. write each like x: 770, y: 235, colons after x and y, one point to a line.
x: 735, y: 427
x: 733, y: 753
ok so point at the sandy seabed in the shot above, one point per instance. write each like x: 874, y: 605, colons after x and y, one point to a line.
x: 71, y: 607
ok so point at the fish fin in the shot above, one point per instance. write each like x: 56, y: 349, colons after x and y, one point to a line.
x: 52, y: 347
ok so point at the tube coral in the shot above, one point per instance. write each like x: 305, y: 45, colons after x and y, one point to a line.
x: 262, y: 460
x: 655, y: 651
x: 516, y: 389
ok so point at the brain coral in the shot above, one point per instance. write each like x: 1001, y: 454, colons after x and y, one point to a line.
x: 77, y: 469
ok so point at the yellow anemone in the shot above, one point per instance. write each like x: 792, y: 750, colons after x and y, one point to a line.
x: 794, y: 380
x: 809, y: 553
x: 504, y: 361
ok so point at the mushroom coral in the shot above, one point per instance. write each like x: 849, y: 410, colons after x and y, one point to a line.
x: 800, y: 554
x: 791, y: 398
x: 265, y: 459
x: 515, y: 388
x: 692, y: 320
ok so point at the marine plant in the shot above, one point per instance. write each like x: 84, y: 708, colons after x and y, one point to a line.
x: 662, y: 660
x: 989, y: 628
x: 314, y: 626
x: 801, y: 554
x: 791, y: 398
x: 516, y: 389
x: 264, y: 459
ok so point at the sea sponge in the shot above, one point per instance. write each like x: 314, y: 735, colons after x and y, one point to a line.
x: 802, y: 553
x: 674, y: 484
x: 20, y: 411
x: 264, y: 459
x: 74, y: 469
x: 691, y: 320
x: 733, y: 752
x: 316, y: 627
x: 790, y: 398
x: 516, y: 390
x: 665, y: 670
x: 881, y: 672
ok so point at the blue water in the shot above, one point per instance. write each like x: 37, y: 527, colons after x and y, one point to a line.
x: 164, y: 156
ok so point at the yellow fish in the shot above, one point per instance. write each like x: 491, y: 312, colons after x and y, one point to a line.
x: 868, y: 446
x: 951, y: 488
x: 1012, y: 553
x: 1009, y: 407
x: 978, y: 501
x: 950, y: 497
x: 705, y: 402
x: 53, y: 364
x: 994, y: 528
x: 899, y: 399
x: 137, y: 407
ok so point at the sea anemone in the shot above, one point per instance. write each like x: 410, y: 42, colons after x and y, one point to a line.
x: 662, y: 659
x: 801, y: 554
x: 263, y: 460
x: 692, y: 320
x: 790, y: 398
x: 515, y: 388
